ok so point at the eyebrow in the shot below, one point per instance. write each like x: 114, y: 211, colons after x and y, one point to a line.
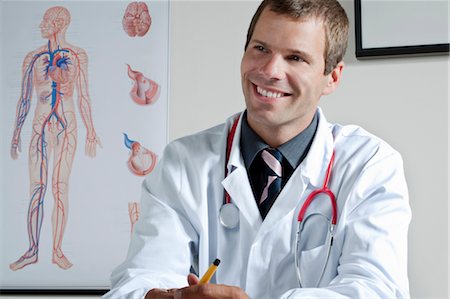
x: 301, y: 53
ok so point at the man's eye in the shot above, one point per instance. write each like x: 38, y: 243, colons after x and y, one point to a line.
x: 296, y: 58
x: 260, y: 48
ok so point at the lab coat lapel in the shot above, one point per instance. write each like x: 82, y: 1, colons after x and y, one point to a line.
x: 314, y: 167
x: 238, y: 186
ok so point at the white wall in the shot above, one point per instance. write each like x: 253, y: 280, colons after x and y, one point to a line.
x: 403, y: 100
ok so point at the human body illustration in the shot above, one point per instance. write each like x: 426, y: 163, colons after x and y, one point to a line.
x: 54, y: 71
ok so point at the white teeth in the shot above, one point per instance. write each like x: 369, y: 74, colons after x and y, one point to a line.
x: 268, y: 94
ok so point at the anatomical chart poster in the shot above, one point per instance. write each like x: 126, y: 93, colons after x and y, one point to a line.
x: 83, y: 118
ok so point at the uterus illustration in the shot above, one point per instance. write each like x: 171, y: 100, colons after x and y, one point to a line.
x: 144, y: 91
x: 137, y: 20
x: 142, y: 161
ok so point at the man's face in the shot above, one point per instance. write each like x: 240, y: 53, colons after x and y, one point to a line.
x: 50, y: 25
x: 47, y: 27
x: 282, y: 71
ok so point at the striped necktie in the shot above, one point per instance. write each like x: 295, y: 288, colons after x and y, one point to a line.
x: 272, y: 159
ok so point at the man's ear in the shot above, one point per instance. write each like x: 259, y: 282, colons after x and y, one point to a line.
x: 333, y: 79
x: 59, y: 23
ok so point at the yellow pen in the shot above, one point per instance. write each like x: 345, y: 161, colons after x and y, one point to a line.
x: 212, y: 269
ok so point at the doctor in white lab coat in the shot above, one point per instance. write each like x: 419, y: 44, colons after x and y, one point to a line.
x: 179, y: 233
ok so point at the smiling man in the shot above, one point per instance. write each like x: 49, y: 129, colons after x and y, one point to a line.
x: 293, y: 206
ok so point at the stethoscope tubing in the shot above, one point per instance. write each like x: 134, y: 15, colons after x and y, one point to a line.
x: 230, y: 139
x: 297, y: 251
x: 301, y: 215
x: 325, y: 190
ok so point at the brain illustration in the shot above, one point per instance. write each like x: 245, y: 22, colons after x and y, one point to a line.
x: 136, y: 20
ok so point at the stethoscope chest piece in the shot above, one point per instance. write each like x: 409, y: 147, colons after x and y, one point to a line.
x: 229, y: 215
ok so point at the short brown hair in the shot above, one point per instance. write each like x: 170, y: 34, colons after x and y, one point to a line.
x: 329, y: 11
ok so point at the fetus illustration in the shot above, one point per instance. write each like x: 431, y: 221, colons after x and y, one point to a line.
x: 55, y: 72
x: 142, y: 160
x: 136, y: 20
x: 144, y: 91
x: 134, y: 210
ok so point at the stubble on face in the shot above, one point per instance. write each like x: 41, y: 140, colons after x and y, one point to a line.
x: 282, y: 75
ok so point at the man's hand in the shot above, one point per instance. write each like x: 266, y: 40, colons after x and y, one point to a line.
x: 92, y: 141
x: 15, y: 147
x: 160, y: 294
x: 198, y: 291
x: 208, y: 291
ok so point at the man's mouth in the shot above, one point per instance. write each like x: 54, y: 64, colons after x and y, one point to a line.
x: 270, y: 93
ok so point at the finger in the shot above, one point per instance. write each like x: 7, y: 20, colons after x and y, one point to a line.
x: 210, y: 291
x: 93, y: 149
x: 13, y: 153
x: 160, y: 294
x: 90, y: 149
x: 99, y: 142
x: 192, y: 279
x: 204, y: 291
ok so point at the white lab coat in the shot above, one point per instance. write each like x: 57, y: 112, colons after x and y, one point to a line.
x: 179, y: 226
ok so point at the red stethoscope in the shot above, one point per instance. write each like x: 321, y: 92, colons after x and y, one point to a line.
x: 229, y: 213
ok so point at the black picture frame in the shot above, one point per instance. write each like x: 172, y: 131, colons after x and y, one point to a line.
x: 380, y: 52
x: 54, y: 292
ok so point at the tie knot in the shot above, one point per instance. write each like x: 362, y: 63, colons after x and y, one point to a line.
x: 272, y: 158
x: 276, y: 153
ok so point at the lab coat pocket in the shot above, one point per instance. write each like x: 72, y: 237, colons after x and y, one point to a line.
x: 312, y: 265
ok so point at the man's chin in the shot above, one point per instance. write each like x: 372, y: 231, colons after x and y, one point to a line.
x: 262, y: 117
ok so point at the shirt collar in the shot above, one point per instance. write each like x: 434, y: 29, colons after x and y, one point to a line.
x: 293, y: 150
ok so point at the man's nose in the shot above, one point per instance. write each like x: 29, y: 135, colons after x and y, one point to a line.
x: 274, y: 67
